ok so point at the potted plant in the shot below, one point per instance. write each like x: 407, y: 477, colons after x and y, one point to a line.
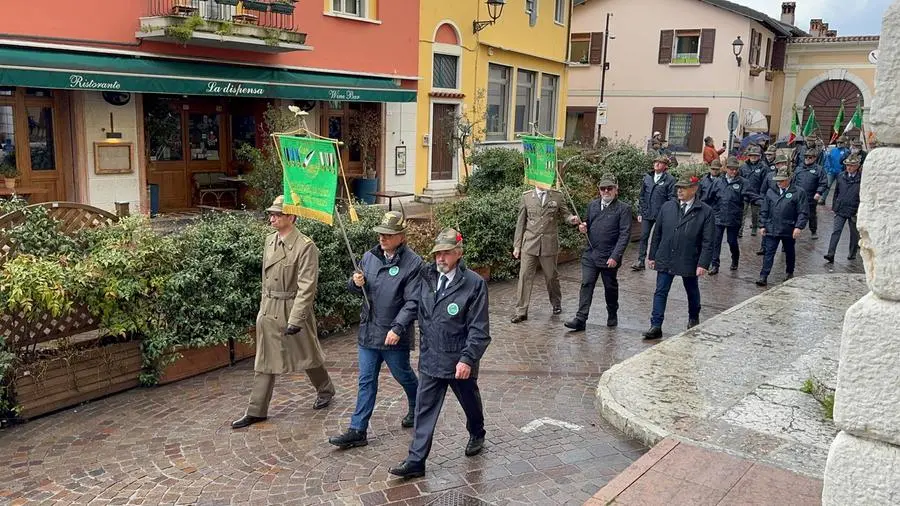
x: 9, y: 172
x: 364, y: 134
x: 283, y: 6
x: 253, y: 5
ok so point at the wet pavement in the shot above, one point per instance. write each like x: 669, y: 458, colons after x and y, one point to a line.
x: 546, y: 443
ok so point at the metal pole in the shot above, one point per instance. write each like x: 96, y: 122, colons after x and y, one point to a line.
x: 599, y: 127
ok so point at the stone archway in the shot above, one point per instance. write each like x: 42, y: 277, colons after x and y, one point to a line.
x: 833, y: 75
x: 826, y: 97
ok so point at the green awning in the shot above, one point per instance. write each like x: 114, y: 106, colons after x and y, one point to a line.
x: 43, y: 68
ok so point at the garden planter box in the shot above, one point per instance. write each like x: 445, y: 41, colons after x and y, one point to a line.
x: 567, y: 256
x: 55, y: 383
x: 194, y: 361
x: 484, y: 272
x: 245, y: 350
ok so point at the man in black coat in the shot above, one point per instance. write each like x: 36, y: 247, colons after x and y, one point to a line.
x: 657, y: 188
x: 389, y: 273
x: 845, y: 206
x: 608, y: 228
x: 753, y: 170
x: 813, y: 180
x: 727, y: 199
x: 782, y: 217
x: 454, y: 333
x: 709, y: 180
x: 682, y: 246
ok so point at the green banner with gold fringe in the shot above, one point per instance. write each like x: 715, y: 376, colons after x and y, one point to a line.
x: 310, y: 176
x: 540, y: 161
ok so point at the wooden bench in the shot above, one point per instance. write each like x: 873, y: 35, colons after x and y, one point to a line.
x: 211, y: 183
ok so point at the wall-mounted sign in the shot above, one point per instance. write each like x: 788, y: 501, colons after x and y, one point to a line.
x: 113, y: 158
x: 601, y: 113
x: 116, y: 98
x: 873, y: 57
x: 400, y: 160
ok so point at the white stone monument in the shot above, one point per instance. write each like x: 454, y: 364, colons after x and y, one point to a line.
x: 864, y: 461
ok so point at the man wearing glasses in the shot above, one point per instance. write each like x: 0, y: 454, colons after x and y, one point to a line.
x: 286, y: 338
x: 608, y: 228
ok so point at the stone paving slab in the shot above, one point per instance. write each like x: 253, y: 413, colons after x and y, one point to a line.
x: 733, y: 383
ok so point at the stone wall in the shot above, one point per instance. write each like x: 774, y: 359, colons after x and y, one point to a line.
x: 864, y: 460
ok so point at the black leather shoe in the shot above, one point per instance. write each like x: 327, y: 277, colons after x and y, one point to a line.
x: 350, y: 439
x: 322, y: 402
x: 246, y: 421
x: 693, y: 323
x: 829, y: 258
x: 761, y: 251
x: 476, y: 444
x: 557, y: 310
x: 790, y: 275
x: 575, y: 324
x: 761, y: 282
x: 713, y: 270
x: 637, y: 266
x: 653, y: 333
x: 851, y: 257
x: 406, y: 470
x: 408, y: 421
x: 814, y: 236
x: 733, y: 267
x: 519, y: 318
x: 612, y: 321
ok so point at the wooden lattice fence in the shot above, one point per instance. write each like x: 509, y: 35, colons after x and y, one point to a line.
x: 22, y: 332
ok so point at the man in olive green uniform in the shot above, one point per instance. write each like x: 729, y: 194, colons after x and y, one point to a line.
x: 537, y: 242
x: 286, y: 337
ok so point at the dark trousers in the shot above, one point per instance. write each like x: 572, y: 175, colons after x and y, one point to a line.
x: 839, y: 222
x: 661, y: 297
x: 813, y: 217
x: 430, y: 400
x: 589, y: 274
x: 370, y: 360
x: 646, y: 228
x: 754, y: 215
x: 732, y: 244
x: 770, y: 245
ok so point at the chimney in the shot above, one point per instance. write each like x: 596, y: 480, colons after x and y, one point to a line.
x: 787, y: 12
x: 815, y: 28
x: 831, y: 33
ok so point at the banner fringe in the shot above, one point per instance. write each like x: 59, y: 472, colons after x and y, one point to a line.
x: 304, y: 212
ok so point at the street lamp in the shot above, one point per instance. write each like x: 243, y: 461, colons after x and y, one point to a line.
x: 737, y: 46
x: 603, y: 69
x: 495, y: 9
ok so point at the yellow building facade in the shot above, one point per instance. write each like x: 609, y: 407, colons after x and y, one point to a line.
x: 505, y: 79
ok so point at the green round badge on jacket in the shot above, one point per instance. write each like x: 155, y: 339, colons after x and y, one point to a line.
x: 788, y: 195
x: 393, y: 270
x: 452, y: 309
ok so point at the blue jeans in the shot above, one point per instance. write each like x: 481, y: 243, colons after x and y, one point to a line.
x: 370, y: 360
x: 660, y: 298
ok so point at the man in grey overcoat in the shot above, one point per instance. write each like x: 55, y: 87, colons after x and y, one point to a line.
x: 286, y: 335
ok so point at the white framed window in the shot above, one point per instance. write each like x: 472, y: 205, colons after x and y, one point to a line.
x: 580, y: 48
x: 530, y: 5
x: 445, y: 71
x: 546, y: 107
x: 679, y: 131
x: 350, y: 7
x: 524, y: 108
x: 686, y: 49
x: 559, y: 13
x: 497, y: 113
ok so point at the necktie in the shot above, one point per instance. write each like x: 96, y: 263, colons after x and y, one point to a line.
x: 541, y: 196
x: 603, y: 207
x: 683, y: 208
x: 441, y: 286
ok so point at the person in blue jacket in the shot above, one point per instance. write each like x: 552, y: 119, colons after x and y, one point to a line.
x: 834, y: 165
x: 454, y: 333
x: 657, y: 188
x: 727, y: 199
x: 782, y: 217
x: 389, y: 274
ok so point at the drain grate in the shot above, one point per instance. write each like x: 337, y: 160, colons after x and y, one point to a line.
x: 455, y: 498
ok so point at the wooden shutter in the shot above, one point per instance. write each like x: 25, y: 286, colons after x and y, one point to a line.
x: 660, y: 119
x: 707, y: 44
x: 596, y: 54
x: 666, y: 40
x: 753, y: 49
x: 695, y: 139
x: 768, y: 52
x: 778, y: 53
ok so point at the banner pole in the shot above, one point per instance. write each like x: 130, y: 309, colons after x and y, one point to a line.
x: 560, y: 181
x: 352, y: 255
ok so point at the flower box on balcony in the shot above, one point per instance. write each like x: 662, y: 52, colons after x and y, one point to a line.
x: 283, y: 7
x: 770, y: 75
x: 255, y: 6
x: 756, y: 70
x: 686, y: 60
x: 227, y: 2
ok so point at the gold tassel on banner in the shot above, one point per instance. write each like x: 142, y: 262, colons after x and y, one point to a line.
x: 351, y: 209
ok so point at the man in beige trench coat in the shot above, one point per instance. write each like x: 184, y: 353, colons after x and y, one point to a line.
x: 537, y: 242
x: 286, y: 338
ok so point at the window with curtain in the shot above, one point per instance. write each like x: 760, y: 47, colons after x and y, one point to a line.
x: 524, y: 101
x: 497, y: 102
x: 547, y: 104
x: 679, y: 132
x: 40, y: 138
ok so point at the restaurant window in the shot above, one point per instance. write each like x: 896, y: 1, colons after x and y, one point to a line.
x: 349, y: 7
x: 7, y: 135
x: 7, y: 91
x: 524, y: 100
x: 547, y: 104
x: 446, y: 71
x: 162, y: 123
x: 40, y: 138
x: 243, y: 132
x: 203, y: 132
x: 38, y: 92
x: 497, y: 102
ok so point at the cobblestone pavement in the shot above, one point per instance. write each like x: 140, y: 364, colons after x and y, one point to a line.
x: 173, y: 444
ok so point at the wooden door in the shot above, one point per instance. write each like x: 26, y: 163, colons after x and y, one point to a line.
x: 165, y: 141
x: 442, y: 152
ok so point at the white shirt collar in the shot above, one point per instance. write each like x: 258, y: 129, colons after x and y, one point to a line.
x: 690, y: 204
x: 450, y: 276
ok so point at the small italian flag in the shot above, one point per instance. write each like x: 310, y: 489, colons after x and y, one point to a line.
x: 795, y: 126
x: 855, y: 120
x: 836, y: 129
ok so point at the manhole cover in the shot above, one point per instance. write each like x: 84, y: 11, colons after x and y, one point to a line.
x: 454, y: 498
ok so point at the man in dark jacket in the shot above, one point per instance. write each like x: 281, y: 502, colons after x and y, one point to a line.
x: 856, y: 148
x: 608, y: 228
x: 768, y: 183
x: 389, y: 274
x: 656, y: 189
x: 682, y: 246
x: 727, y: 199
x: 782, y: 217
x: 845, y: 206
x: 810, y: 177
x: 753, y: 170
x: 709, y: 180
x: 454, y: 334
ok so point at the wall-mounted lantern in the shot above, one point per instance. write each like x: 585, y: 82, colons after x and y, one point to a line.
x: 495, y: 9
x: 737, y: 46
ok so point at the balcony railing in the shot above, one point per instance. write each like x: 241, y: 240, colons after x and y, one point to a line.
x: 277, y: 15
